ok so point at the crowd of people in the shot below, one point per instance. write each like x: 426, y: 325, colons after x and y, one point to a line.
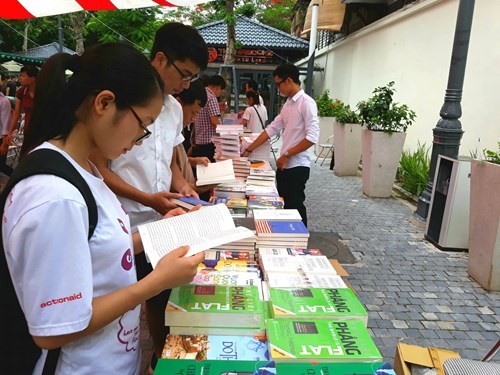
x: 121, y: 122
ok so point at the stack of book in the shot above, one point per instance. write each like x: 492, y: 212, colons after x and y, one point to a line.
x: 280, y: 228
x: 227, y: 143
x: 262, y: 152
x: 256, y: 202
x: 244, y: 245
x: 307, y: 265
x: 235, y: 189
x: 215, y: 309
x: 241, y: 167
x: 237, y: 206
x: 261, y: 177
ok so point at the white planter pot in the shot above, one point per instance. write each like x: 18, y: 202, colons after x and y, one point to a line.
x: 347, y: 148
x: 380, y: 153
x: 484, y: 225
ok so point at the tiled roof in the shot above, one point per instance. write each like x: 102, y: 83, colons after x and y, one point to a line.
x: 45, y: 51
x: 251, y: 34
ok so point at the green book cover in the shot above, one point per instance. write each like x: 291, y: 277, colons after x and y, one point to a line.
x: 213, y: 367
x: 316, y: 303
x: 214, y: 305
x: 328, y: 368
x: 302, y: 340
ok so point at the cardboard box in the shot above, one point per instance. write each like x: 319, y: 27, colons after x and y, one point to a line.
x: 338, y: 267
x: 428, y: 357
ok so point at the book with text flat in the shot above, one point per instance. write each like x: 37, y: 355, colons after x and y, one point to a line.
x: 214, y: 305
x: 214, y: 367
x: 314, y: 368
x: 274, y: 228
x: 303, y: 280
x: 316, y: 303
x: 200, y: 230
x: 229, y: 348
x: 309, y: 340
x: 215, y: 173
x: 189, y: 202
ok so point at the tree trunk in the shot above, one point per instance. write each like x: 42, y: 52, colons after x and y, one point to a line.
x: 230, y: 52
x: 25, y: 36
x: 77, y: 23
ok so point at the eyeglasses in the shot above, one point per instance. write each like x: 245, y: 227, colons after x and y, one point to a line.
x: 280, y: 82
x: 184, y: 77
x: 146, y: 134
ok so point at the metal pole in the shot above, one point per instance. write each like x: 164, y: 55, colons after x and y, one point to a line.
x: 448, y: 131
x: 312, y: 47
x: 60, y: 33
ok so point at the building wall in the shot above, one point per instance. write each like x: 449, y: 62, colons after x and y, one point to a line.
x: 413, y: 48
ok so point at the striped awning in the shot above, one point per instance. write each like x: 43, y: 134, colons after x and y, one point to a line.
x: 22, y: 9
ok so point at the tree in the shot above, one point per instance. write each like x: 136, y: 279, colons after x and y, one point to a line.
x: 77, y: 25
x: 135, y: 25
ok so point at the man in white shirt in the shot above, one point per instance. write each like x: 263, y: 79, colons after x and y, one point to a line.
x: 299, y: 121
x: 144, y: 176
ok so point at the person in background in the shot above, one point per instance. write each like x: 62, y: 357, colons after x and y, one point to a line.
x: 300, y: 124
x: 255, y: 115
x: 25, y: 97
x: 192, y: 101
x: 208, y: 119
x: 5, y: 114
x: 144, y: 177
x: 108, y: 103
x: 252, y: 85
x: 11, y: 86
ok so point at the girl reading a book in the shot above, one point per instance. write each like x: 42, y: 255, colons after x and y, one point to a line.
x: 78, y: 294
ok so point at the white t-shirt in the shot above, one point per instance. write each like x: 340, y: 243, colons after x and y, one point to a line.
x: 251, y: 116
x: 57, y: 272
x: 147, y: 167
x: 298, y: 119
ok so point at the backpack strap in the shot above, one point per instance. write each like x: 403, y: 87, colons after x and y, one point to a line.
x: 260, y: 118
x: 20, y: 349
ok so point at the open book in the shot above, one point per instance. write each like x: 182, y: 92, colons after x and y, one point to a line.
x: 215, y: 173
x: 203, y: 229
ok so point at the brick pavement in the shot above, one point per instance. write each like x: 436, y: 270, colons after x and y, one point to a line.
x: 412, y: 291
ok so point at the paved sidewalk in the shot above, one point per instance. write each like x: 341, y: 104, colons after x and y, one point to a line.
x: 413, y: 291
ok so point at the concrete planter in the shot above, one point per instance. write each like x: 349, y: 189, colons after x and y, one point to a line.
x: 347, y: 148
x: 325, y: 128
x: 380, y: 153
x: 484, y: 225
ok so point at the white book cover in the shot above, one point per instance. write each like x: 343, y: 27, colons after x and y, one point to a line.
x: 215, y: 173
x: 201, y: 230
x: 303, y: 280
x: 317, y: 264
x: 277, y: 215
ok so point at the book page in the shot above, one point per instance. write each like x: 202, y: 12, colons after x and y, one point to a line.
x: 201, y: 230
x: 221, y: 171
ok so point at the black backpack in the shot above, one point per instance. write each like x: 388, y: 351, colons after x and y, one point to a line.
x: 19, y: 352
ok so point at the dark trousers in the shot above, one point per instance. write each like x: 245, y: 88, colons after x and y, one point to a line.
x: 292, y: 187
x: 4, y: 168
x: 207, y: 150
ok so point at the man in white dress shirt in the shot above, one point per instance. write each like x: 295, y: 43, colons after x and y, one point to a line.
x: 299, y: 121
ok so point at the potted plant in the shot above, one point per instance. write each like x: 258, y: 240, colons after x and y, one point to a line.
x: 326, y: 114
x: 346, y: 140
x: 484, y: 220
x: 382, y: 139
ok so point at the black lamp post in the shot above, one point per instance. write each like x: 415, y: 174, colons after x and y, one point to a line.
x: 448, y: 131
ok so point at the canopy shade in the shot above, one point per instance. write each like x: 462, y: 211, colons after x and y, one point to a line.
x: 21, y: 9
x: 330, y: 15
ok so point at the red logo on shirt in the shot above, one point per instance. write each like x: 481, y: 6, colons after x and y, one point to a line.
x: 56, y: 301
x: 127, y: 260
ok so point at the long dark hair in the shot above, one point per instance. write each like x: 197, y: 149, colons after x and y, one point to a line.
x: 111, y: 66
